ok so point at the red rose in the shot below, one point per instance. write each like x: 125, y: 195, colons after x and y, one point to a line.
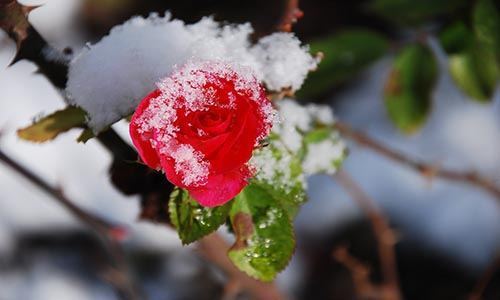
x: 200, y: 127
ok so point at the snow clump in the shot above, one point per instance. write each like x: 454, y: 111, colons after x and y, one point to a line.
x: 108, y: 79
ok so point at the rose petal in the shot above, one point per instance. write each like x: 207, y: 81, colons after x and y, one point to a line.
x: 221, y: 188
x: 168, y: 166
x: 208, y: 146
x: 238, y: 147
x: 142, y: 142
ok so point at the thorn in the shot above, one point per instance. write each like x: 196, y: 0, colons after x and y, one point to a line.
x: 16, y: 58
x: 28, y: 9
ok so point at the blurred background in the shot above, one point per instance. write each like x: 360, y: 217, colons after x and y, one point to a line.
x: 448, y: 233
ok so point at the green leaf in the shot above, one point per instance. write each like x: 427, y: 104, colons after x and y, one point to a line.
x: 47, y: 128
x: 264, y: 235
x: 473, y: 58
x: 476, y: 72
x: 192, y: 220
x: 456, y: 38
x: 486, y: 22
x: 317, y: 135
x: 414, y: 12
x: 408, y: 89
x: 345, y: 55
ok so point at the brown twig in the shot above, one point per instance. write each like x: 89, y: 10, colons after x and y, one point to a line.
x: 484, y: 280
x: 214, y: 248
x: 360, y: 274
x: 117, y: 275
x: 425, y: 169
x: 383, y: 233
x: 291, y: 15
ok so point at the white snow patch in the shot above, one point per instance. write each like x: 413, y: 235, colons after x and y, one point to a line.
x: 272, y: 169
x: 286, y: 62
x: 108, y: 79
x: 321, y: 157
x: 296, y: 118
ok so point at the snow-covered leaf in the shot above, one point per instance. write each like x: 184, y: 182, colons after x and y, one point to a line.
x: 49, y: 127
x: 264, y: 236
x: 279, y: 172
x: 301, y: 144
x: 192, y: 220
x: 324, y: 151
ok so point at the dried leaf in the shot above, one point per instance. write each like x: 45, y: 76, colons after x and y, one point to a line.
x: 14, y: 20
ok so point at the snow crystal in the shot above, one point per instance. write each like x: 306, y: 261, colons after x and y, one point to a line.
x: 190, y: 81
x: 108, y: 79
x: 322, y: 157
x: 190, y: 165
x: 275, y: 169
x: 294, y: 115
x: 321, y: 113
x: 295, y: 119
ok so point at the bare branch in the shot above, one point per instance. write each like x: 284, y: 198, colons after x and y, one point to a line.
x: 360, y: 274
x: 384, y: 235
x: 425, y: 169
x: 117, y: 275
x: 214, y: 248
x: 291, y: 15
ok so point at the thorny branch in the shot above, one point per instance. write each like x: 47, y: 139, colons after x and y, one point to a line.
x: 383, y: 233
x: 425, y: 169
x: 291, y: 15
x: 117, y: 274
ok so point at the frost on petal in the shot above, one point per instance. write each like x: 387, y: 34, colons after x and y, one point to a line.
x: 190, y: 165
x: 108, y: 79
x: 141, y: 138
